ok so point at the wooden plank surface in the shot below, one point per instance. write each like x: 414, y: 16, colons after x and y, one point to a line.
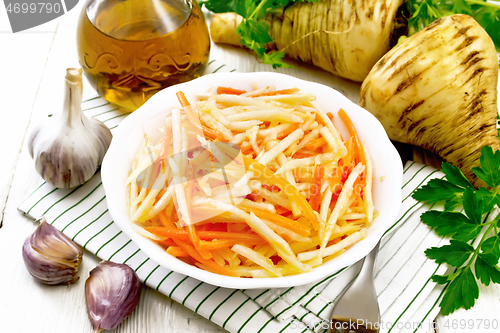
x: 32, y: 67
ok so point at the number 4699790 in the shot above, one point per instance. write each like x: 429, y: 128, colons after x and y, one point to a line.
x: 33, y: 7
x: 472, y: 324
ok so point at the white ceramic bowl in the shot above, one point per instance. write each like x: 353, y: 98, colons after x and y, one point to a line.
x: 387, y: 169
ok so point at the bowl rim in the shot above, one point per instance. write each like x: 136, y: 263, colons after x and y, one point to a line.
x: 155, y: 106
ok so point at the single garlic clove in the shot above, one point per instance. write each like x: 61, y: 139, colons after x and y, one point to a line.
x: 112, y: 292
x: 69, y: 147
x: 50, y: 256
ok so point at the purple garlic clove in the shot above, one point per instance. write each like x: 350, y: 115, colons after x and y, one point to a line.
x: 50, y: 256
x: 112, y: 291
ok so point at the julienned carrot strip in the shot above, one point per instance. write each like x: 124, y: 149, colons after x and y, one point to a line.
x: 281, y: 221
x: 315, y: 199
x: 188, y: 110
x: 182, y: 234
x: 359, y: 149
x: 335, y: 178
x: 204, y: 227
x: 222, y: 243
x: 267, y: 177
x: 165, y: 221
x: 189, y: 249
x: 279, y: 92
x: 354, y: 135
x: 300, y: 155
x: 213, y: 134
x: 191, y: 229
x: 236, y: 227
x: 217, y: 244
x: 169, y: 232
x: 195, y: 240
x: 241, y: 236
x: 319, y: 120
x: 316, y: 143
x: 347, y: 159
x: 359, y: 186
x: 247, y: 147
x: 287, y: 131
x: 167, y: 242
x: 229, y: 91
x: 282, y: 210
x: 176, y: 251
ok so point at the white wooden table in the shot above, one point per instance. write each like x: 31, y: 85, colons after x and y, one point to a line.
x: 32, y: 65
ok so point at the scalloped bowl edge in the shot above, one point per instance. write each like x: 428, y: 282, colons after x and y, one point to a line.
x: 387, y: 167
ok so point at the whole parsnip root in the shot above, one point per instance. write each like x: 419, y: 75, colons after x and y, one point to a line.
x: 438, y: 90
x: 223, y: 28
x: 343, y: 37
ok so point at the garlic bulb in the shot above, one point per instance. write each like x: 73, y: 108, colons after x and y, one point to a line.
x: 50, y: 256
x: 112, y: 292
x: 69, y: 147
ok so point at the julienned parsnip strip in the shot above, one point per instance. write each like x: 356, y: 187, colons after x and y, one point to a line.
x: 268, y: 177
x: 272, y: 153
x: 257, y: 258
x: 278, y: 243
x: 340, y: 206
x: 332, y: 249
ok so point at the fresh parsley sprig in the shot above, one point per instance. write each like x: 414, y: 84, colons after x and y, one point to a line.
x: 486, y: 13
x: 471, y: 263
x: 253, y: 32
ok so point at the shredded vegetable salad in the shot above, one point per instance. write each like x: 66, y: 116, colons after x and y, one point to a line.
x: 253, y: 183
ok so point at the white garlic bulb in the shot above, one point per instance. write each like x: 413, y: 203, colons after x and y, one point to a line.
x: 69, y: 147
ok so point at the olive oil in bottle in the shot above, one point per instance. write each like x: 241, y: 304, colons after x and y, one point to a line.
x: 131, y: 49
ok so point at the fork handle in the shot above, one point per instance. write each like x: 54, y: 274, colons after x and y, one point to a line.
x: 369, y: 263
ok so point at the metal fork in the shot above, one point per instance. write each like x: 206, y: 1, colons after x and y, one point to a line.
x: 357, y: 309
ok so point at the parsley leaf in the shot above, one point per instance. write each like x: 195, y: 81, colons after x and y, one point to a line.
x: 441, y: 279
x: 245, y: 8
x: 461, y: 6
x: 492, y: 245
x: 486, y: 268
x: 259, y: 31
x: 438, y: 190
x: 423, y: 13
x: 455, y: 254
x: 486, y: 13
x: 453, y: 224
x: 473, y: 206
x: 450, y: 190
x: 275, y: 59
x: 254, y: 33
x: 444, y: 279
x: 461, y: 292
x: 455, y: 176
x: 490, y: 198
x: 489, y: 19
x: 219, y: 6
x: 489, y: 172
x: 462, y: 285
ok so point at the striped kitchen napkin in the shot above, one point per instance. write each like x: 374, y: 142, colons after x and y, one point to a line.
x: 407, y: 296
